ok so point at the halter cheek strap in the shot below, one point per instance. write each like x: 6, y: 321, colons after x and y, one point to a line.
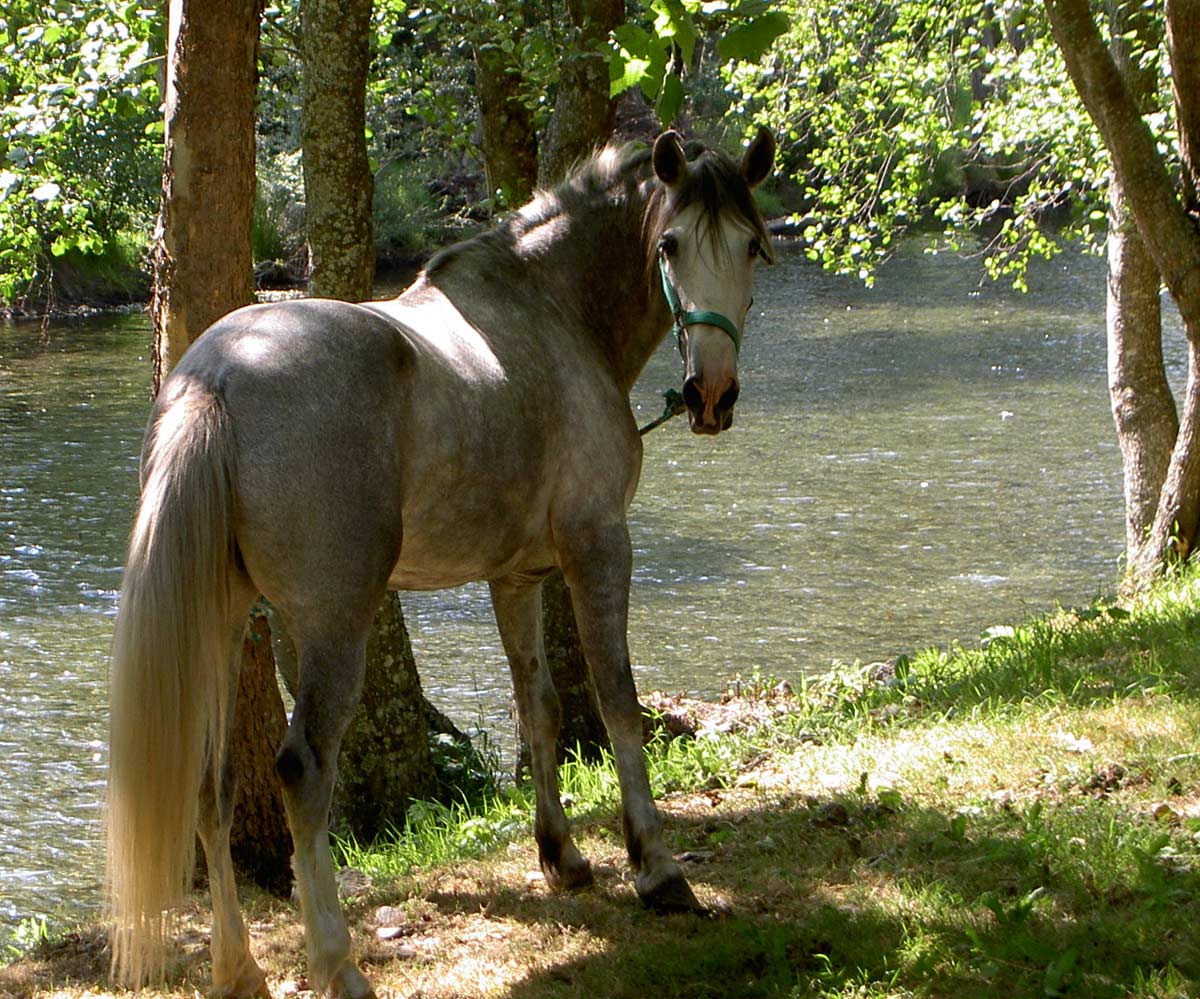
x: 682, y: 319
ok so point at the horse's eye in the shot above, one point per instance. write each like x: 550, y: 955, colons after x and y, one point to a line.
x: 755, y: 248
x: 668, y: 246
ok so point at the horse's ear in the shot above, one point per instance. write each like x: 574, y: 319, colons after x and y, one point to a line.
x: 759, y: 159
x: 669, y: 159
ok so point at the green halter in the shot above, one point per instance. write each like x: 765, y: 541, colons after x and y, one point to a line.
x: 682, y: 319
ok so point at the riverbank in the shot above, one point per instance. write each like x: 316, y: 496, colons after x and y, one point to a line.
x: 1020, y: 819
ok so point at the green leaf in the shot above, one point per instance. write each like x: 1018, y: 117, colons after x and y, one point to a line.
x: 670, y: 100
x: 626, y: 73
x: 750, y: 42
x: 673, y: 23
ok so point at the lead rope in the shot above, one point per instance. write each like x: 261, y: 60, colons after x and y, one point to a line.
x: 674, y: 407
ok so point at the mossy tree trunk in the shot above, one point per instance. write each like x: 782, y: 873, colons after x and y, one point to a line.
x: 584, y: 114
x: 506, y: 126
x: 338, y: 184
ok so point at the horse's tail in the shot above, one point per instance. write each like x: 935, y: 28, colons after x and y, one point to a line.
x: 169, y: 684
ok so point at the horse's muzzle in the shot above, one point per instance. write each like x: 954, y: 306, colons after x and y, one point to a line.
x: 705, y: 415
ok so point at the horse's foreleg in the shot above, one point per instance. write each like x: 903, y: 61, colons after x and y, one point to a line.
x: 597, y: 566
x: 518, y: 607
x: 331, y: 679
x: 235, y: 972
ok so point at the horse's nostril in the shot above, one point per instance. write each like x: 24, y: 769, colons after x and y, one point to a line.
x: 728, y: 397
x: 691, y: 395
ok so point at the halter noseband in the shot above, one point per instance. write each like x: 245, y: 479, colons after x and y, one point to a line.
x: 682, y: 320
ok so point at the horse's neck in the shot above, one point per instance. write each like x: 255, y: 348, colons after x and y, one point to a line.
x: 615, y: 303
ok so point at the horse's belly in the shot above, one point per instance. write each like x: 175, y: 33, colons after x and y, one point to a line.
x: 469, y: 549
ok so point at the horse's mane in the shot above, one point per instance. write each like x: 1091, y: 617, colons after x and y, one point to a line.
x: 622, y: 175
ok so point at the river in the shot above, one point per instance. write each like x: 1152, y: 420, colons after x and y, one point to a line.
x: 909, y: 464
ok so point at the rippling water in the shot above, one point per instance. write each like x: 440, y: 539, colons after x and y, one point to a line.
x: 908, y: 465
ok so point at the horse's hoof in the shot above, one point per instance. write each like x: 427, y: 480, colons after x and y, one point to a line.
x: 350, y: 983
x: 671, y: 895
x: 249, y: 983
x: 570, y: 877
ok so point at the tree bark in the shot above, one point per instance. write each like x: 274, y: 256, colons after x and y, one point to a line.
x: 582, y: 725
x: 201, y: 254
x: 506, y: 125
x: 202, y: 269
x: 260, y: 842
x: 1183, y: 47
x: 1143, y: 407
x: 338, y: 185
x: 584, y: 114
x: 384, y: 761
x: 1170, y: 235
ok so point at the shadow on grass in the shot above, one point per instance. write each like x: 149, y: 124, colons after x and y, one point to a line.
x: 840, y: 896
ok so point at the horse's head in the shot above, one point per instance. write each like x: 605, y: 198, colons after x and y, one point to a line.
x: 708, y: 234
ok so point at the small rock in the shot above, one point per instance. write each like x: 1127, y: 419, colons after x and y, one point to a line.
x: 1163, y: 812
x: 393, y: 932
x: 533, y: 877
x: 390, y: 915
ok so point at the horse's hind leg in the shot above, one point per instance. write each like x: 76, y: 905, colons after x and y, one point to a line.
x: 331, y: 676
x: 235, y: 972
x: 518, y: 607
x: 597, y: 563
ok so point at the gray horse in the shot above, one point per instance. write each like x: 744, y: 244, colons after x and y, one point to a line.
x: 476, y: 427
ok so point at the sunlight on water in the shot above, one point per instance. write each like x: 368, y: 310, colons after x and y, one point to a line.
x: 908, y: 466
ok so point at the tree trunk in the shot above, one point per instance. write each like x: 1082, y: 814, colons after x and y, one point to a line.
x: 584, y: 114
x: 338, y: 185
x: 201, y: 254
x: 260, y: 842
x: 203, y: 269
x: 582, y: 725
x: 384, y: 760
x: 1142, y: 405
x: 1183, y: 46
x: 1143, y: 408
x: 1170, y: 235
x: 506, y: 124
